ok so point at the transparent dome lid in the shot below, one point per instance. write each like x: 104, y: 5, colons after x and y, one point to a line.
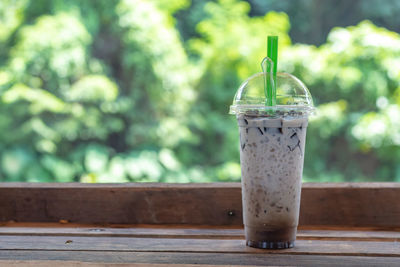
x: 292, y: 97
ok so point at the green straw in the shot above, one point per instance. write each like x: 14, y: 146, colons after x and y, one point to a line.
x: 272, y: 53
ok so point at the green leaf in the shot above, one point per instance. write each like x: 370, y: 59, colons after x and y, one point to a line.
x: 14, y: 162
x: 39, y: 99
x: 93, y: 88
x: 96, y: 158
x: 36, y: 173
x: 61, y: 170
x: 168, y: 159
x: 143, y: 167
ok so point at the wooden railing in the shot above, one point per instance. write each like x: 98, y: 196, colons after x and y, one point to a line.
x: 322, y: 204
x: 346, y: 224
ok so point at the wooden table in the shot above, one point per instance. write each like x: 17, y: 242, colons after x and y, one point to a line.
x: 159, y: 225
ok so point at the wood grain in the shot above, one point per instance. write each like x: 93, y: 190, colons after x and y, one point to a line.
x: 358, y: 204
x: 343, y: 204
x: 198, y: 258
x: 130, y: 203
x: 46, y: 263
x: 190, y: 232
x: 303, y: 247
x: 145, y: 232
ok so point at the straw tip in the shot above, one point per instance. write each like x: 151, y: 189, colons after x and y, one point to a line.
x: 272, y: 37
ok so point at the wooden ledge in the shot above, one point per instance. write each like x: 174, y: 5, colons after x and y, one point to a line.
x: 323, y: 204
x: 45, y: 244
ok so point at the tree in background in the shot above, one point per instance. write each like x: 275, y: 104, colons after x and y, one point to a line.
x: 312, y: 20
x: 354, y: 78
x: 135, y: 90
x: 97, y: 91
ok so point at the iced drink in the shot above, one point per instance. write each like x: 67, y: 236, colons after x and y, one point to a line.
x: 272, y: 141
x: 271, y: 157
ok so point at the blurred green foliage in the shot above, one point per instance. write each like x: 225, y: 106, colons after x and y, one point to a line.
x: 135, y: 90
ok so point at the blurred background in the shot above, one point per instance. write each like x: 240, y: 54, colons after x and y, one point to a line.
x: 139, y: 90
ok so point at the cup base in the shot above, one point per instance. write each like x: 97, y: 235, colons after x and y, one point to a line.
x: 270, y: 245
x: 270, y: 238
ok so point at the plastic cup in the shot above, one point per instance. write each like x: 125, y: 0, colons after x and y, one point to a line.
x: 272, y: 142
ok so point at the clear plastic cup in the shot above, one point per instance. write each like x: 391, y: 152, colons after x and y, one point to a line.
x: 272, y: 141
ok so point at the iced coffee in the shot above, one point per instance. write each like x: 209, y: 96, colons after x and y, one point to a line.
x: 272, y: 144
x: 271, y: 157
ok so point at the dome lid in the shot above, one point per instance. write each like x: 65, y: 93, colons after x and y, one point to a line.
x: 292, y: 97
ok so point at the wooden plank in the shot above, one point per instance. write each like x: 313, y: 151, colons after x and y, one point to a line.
x: 220, y: 259
x: 130, y: 203
x: 351, y: 204
x: 190, y: 232
x: 343, y: 204
x: 46, y: 263
x: 351, y: 235
x: 171, y: 232
x: 303, y: 247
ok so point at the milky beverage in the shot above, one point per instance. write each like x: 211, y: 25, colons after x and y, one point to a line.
x: 271, y: 157
x: 272, y: 140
